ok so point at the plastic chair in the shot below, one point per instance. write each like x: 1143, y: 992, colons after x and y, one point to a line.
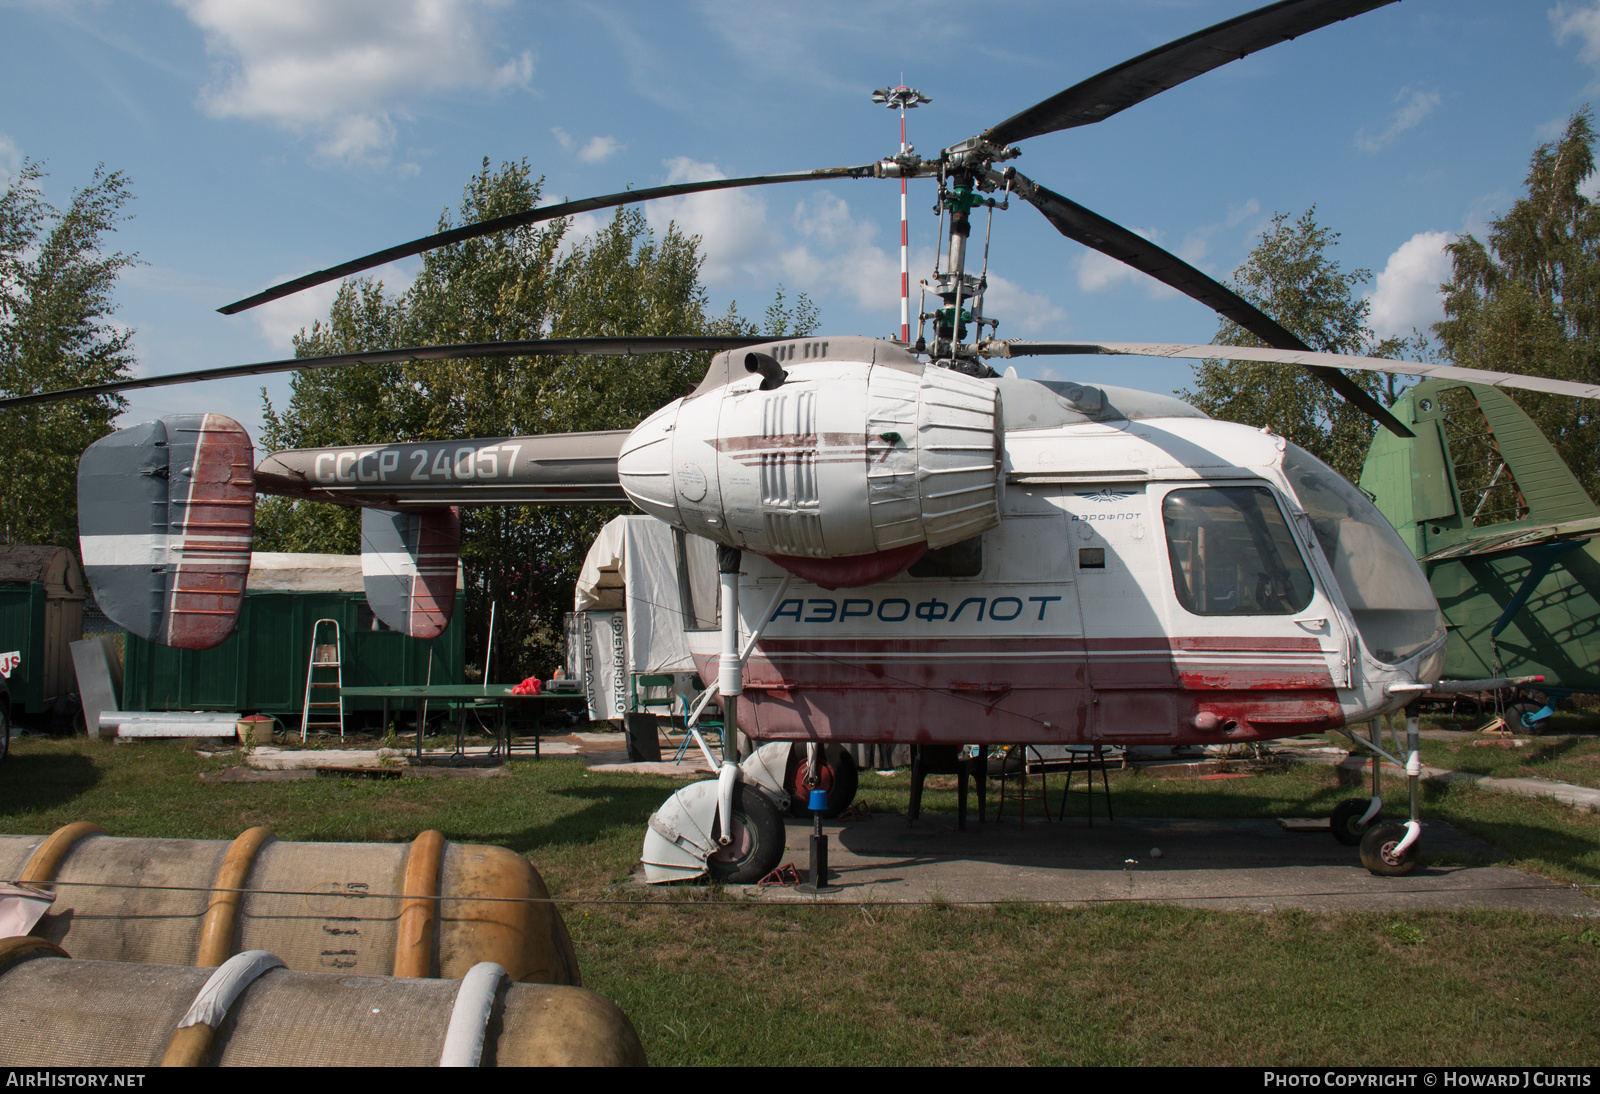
x: 639, y: 684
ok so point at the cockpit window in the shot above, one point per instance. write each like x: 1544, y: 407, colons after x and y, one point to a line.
x: 1232, y: 553
x: 1387, y: 593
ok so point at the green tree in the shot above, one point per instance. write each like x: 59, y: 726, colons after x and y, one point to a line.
x: 56, y: 288
x: 527, y: 283
x: 1291, y: 275
x: 1529, y: 301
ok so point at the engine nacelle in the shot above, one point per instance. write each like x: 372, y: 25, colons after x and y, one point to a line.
x: 842, y: 460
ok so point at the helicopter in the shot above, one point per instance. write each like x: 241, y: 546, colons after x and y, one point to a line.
x: 879, y: 541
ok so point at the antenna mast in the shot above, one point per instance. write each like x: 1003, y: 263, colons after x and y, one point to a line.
x: 902, y: 98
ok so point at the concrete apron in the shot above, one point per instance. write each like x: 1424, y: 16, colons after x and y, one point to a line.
x: 1253, y: 865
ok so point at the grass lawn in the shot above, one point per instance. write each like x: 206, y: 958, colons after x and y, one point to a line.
x: 1568, y: 759
x: 709, y: 979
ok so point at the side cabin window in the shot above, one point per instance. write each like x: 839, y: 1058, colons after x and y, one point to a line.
x: 1232, y: 552
x: 964, y: 559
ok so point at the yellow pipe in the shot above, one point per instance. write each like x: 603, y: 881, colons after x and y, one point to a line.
x: 20, y: 946
x: 46, y: 858
x: 190, y: 1046
x: 216, y: 933
x: 413, y: 946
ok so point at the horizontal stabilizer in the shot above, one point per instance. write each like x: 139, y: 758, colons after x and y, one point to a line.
x: 166, y: 512
x: 408, y: 567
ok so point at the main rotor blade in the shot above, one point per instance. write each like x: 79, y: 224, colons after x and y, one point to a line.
x: 1278, y: 356
x: 531, y: 216
x: 538, y: 347
x: 1093, y: 230
x: 1131, y: 82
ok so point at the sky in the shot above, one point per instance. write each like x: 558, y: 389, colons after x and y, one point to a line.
x: 267, y: 138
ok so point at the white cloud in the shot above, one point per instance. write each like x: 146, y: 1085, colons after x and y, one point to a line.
x: 600, y: 149
x: 1238, y: 214
x: 837, y: 255
x: 1412, y: 106
x: 732, y: 224
x: 1098, y: 272
x: 1019, y: 309
x: 10, y: 157
x: 1406, y: 293
x: 595, y: 150
x: 342, y: 71
x: 1580, y: 23
x: 280, y: 320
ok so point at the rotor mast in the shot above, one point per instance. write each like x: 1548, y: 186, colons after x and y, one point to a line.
x: 965, y: 176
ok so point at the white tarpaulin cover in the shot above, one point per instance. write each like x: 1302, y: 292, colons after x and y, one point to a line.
x: 600, y: 578
x: 633, y: 565
x: 656, y: 641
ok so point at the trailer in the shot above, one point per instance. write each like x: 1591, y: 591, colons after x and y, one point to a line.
x: 262, y: 666
x: 42, y: 594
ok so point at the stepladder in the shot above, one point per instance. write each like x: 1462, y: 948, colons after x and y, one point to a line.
x: 324, y: 702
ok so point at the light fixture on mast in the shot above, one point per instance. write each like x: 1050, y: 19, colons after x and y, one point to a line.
x: 902, y: 98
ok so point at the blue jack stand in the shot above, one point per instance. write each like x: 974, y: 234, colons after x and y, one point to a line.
x: 818, y: 882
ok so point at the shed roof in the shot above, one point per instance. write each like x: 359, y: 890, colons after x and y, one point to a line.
x: 56, y: 567
x: 272, y: 571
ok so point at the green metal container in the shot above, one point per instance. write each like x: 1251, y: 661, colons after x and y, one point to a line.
x: 41, y: 614
x: 261, y: 667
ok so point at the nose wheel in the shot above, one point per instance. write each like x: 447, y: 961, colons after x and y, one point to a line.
x: 1382, y: 854
x: 756, y: 842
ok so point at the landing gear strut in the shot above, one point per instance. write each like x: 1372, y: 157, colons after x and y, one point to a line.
x: 1387, y: 849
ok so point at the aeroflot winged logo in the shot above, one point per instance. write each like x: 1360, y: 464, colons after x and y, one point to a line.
x: 1105, y: 493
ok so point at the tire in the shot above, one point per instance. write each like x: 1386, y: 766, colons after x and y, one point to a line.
x: 1377, y: 850
x: 839, y: 778
x: 1345, y: 822
x: 758, y: 840
x: 5, y: 731
x: 1517, y: 713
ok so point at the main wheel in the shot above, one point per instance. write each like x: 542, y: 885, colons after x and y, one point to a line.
x: 1378, y: 850
x: 1346, y: 822
x: 839, y: 778
x: 1517, y: 717
x: 757, y: 844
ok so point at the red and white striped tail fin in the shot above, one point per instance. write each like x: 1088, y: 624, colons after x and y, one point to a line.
x: 409, y: 563
x: 166, y: 516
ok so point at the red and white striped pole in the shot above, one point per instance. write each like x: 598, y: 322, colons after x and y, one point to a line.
x: 902, y: 98
x: 905, y: 258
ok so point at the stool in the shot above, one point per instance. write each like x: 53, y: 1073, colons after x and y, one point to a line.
x: 1086, y: 760
x: 1022, y: 756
